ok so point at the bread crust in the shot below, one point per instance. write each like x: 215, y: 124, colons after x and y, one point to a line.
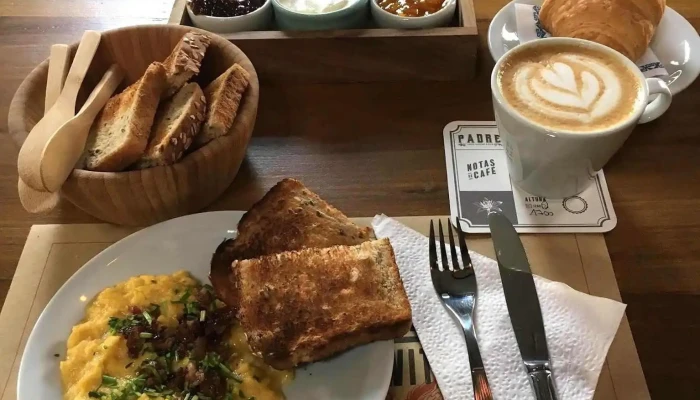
x: 303, y: 306
x: 288, y: 217
x: 126, y: 119
x: 185, y: 61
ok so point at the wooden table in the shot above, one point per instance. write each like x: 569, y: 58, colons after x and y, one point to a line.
x: 378, y: 148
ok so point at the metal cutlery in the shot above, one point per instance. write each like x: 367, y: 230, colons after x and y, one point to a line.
x: 457, y: 290
x: 523, y: 305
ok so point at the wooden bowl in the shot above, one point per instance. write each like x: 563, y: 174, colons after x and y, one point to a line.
x: 155, y: 194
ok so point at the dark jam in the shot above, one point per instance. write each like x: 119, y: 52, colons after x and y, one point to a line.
x: 225, y: 8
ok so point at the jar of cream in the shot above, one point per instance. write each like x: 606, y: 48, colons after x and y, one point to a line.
x: 314, y: 6
x: 305, y: 15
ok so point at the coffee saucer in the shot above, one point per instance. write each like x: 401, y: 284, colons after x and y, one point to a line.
x: 675, y: 43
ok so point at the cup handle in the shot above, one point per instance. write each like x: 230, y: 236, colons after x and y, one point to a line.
x: 660, y: 104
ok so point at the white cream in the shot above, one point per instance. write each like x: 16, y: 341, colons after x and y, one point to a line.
x: 553, y: 89
x: 314, y: 6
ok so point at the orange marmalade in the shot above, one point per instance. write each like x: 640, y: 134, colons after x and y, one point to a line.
x: 411, y: 8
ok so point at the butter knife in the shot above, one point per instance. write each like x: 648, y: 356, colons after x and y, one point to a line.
x: 523, y: 305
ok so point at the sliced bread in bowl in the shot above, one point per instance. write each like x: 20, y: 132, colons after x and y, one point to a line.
x: 185, y: 61
x: 224, y: 96
x: 121, y: 131
x: 177, y: 122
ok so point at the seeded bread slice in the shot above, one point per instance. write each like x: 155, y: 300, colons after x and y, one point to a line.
x: 120, y: 133
x: 223, y: 98
x: 177, y: 122
x: 184, y: 62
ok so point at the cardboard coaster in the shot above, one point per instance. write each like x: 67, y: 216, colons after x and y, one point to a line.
x: 478, y: 182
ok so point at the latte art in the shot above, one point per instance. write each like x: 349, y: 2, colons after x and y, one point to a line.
x: 570, y: 88
x: 573, y: 88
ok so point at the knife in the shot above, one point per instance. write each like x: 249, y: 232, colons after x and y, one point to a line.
x: 523, y: 305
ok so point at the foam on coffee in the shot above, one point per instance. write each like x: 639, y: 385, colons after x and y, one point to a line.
x: 569, y: 87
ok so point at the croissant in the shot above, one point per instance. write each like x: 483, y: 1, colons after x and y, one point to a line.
x: 624, y: 25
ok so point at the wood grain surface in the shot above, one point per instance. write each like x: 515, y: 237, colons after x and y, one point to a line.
x: 370, y: 148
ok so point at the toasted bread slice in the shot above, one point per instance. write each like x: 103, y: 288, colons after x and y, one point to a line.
x: 303, y: 306
x: 185, y: 60
x: 288, y: 217
x: 177, y: 122
x: 120, y: 133
x: 224, y: 96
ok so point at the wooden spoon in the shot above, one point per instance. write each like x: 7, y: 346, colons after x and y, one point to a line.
x: 36, y: 201
x: 66, y: 145
x: 28, y: 162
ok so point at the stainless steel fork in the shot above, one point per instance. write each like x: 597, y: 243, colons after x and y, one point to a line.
x: 457, y: 289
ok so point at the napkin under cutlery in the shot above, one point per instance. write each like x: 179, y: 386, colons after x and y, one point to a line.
x: 579, y: 327
x: 530, y: 28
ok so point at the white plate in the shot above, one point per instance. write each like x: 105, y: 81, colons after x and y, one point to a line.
x: 676, y: 43
x: 182, y: 243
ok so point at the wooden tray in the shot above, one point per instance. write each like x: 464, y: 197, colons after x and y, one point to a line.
x: 360, y: 55
x: 53, y: 253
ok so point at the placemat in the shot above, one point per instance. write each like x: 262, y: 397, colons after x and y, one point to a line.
x: 53, y: 253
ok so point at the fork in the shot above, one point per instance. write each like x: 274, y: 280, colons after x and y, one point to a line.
x: 457, y: 290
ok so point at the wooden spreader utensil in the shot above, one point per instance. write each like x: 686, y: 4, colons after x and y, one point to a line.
x: 28, y: 162
x: 33, y: 200
x: 64, y: 147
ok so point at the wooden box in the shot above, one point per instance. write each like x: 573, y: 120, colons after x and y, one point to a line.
x: 360, y: 55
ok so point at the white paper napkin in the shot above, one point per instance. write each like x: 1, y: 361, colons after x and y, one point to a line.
x: 527, y: 19
x: 579, y: 327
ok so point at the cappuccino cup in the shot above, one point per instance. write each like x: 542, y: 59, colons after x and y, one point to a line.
x: 564, y: 106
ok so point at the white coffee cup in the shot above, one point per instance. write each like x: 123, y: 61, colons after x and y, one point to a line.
x: 557, y: 163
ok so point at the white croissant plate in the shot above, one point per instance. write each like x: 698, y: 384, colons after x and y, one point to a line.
x: 182, y: 243
x: 676, y: 43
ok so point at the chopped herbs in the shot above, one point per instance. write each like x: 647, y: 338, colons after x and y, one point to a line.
x: 212, y: 361
x: 192, y: 308
x: 147, y: 317
x: 114, y: 389
x: 109, y: 380
x: 182, y: 362
x: 137, y: 318
x: 183, y: 299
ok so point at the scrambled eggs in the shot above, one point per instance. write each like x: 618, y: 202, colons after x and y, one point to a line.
x: 104, y: 361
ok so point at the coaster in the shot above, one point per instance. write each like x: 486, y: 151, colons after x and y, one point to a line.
x: 478, y: 182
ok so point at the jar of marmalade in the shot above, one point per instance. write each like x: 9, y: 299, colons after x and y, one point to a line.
x: 411, y: 8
